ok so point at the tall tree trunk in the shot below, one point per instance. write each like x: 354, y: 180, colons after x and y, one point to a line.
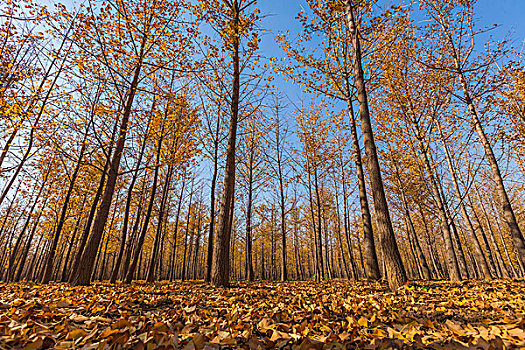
x: 452, y: 260
x: 188, y: 220
x: 138, y: 249
x: 488, y: 250
x: 249, y: 257
x: 211, y: 232
x: 339, y: 234
x: 319, y: 231
x: 25, y: 252
x: 327, y: 245
x: 479, y: 256
x: 346, y: 222
x: 197, y: 228
x: 65, y: 270
x: 134, y: 232
x: 425, y: 271
x: 395, y: 270
x: 156, y: 242
x: 371, y: 264
x: 29, y: 272
x: 492, y: 236
x: 317, y: 270
x: 462, y: 261
x: 94, y: 206
x: 282, y: 202
x: 51, y: 257
x: 175, y: 231
x: 125, y: 224
x: 221, y: 252
x: 14, y: 252
x: 504, y: 244
x: 85, y: 269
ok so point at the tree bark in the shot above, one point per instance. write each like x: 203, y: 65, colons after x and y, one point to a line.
x: 142, y: 237
x: 83, y: 275
x: 188, y: 220
x: 480, y: 257
x: 211, y: 232
x: 125, y: 224
x: 371, y: 264
x: 50, y: 258
x: 395, y: 270
x: 175, y: 231
x: 221, y: 252
x: 505, y: 204
x: 249, y: 257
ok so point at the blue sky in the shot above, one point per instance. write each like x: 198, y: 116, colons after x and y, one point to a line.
x: 509, y: 15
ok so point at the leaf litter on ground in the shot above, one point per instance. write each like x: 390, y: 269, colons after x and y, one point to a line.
x: 263, y: 315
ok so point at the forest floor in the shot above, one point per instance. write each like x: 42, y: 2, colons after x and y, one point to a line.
x: 264, y: 315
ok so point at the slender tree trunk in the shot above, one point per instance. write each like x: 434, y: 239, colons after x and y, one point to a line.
x: 211, y: 232
x: 138, y: 249
x: 85, y: 269
x: 327, y: 245
x: 249, y: 260
x: 282, y: 202
x: 339, y: 234
x: 462, y: 261
x: 25, y: 252
x: 452, y: 261
x: 188, y: 219
x: 317, y: 270
x: 92, y: 211
x: 503, y: 243
x: 29, y: 272
x: 506, y: 206
x: 371, y: 264
x: 51, y: 257
x: 65, y: 270
x: 423, y: 265
x: 395, y: 271
x: 346, y: 221
x: 480, y: 257
x: 14, y: 252
x: 492, y: 236
x: 175, y: 230
x: 490, y: 255
x: 39, y: 269
x: 133, y: 239
x: 221, y: 252
x: 155, y: 249
x: 123, y: 238
x: 319, y: 232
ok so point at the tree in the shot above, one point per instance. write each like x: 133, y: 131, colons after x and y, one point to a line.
x: 456, y: 44
x: 395, y: 270
x: 152, y: 39
x: 235, y: 21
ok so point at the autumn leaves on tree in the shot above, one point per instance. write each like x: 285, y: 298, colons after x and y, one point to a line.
x: 155, y: 140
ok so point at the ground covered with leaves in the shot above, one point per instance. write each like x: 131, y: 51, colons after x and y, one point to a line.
x: 264, y: 315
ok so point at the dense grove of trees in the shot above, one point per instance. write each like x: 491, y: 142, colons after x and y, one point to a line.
x: 146, y: 140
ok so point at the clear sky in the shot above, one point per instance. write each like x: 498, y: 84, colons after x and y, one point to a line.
x: 509, y: 15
